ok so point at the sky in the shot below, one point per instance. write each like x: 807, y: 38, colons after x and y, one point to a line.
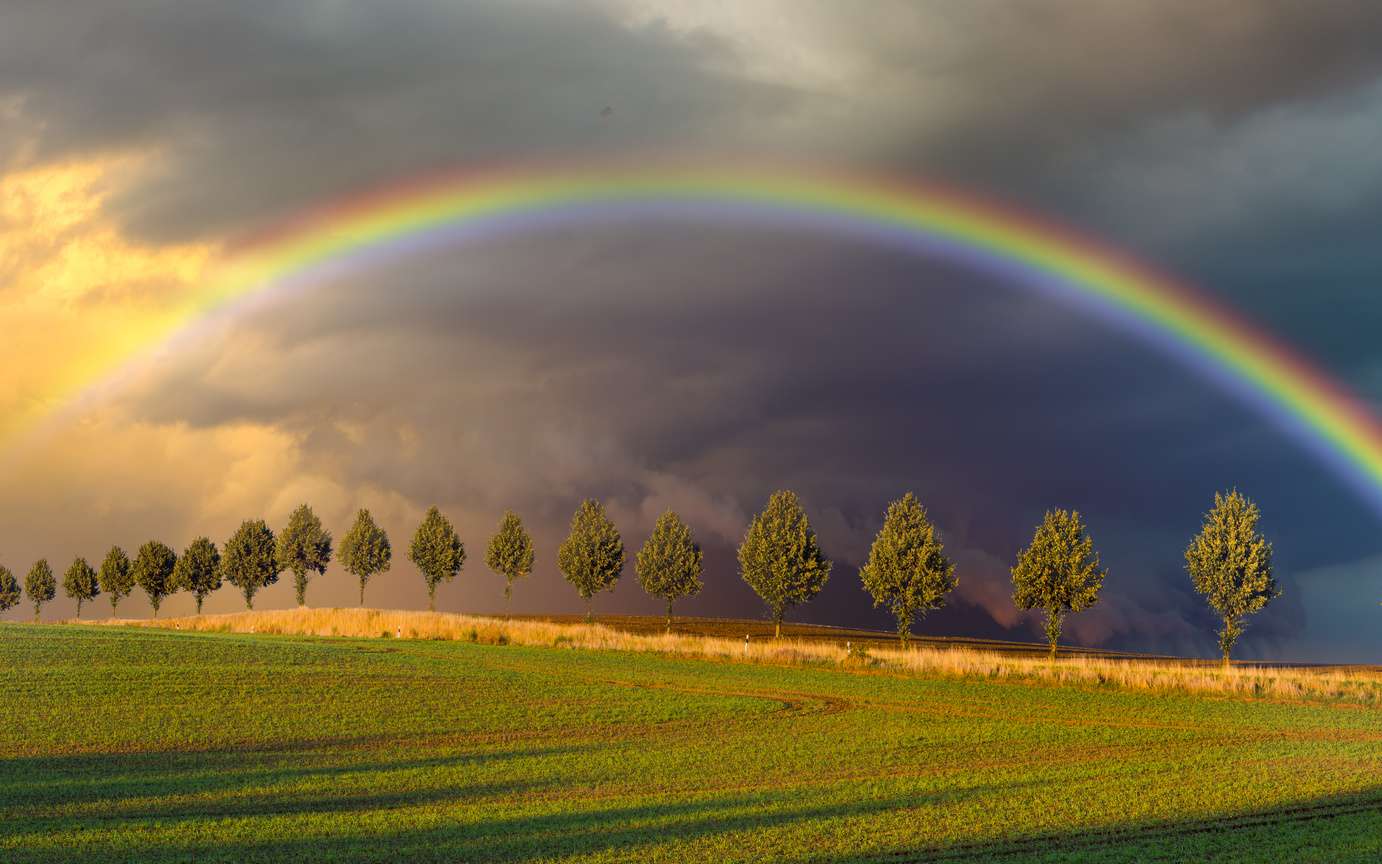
x: 693, y: 364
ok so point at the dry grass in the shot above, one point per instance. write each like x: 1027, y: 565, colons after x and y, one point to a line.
x: 1357, y: 686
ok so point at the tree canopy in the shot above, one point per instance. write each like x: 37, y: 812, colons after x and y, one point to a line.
x: 592, y: 555
x: 670, y: 563
x: 303, y: 547
x: 780, y: 558
x: 9, y: 589
x: 153, y: 572
x: 199, y: 570
x: 1059, y: 572
x: 437, y: 551
x: 40, y: 585
x: 79, y: 583
x: 365, y: 550
x: 1230, y: 564
x: 249, y: 560
x: 116, y: 576
x: 907, y: 570
x: 510, y: 552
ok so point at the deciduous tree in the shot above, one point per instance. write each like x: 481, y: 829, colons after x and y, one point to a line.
x: 592, y: 555
x: 153, y: 572
x: 116, y: 577
x: 510, y: 552
x: 40, y: 585
x: 437, y: 551
x: 780, y: 558
x: 199, y: 570
x: 9, y: 589
x: 1231, y: 565
x: 304, y: 547
x: 365, y: 550
x: 907, y: 570
x: 1059, y: 572
x: 249, y: 560
x: 670, y: 563
x: 80, y: 584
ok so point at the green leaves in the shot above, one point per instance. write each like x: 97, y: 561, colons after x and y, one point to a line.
x: 907, y: 570
x: 153, y: 572
x: 780, y: 558
x: 592, y: 555
x: 437, y: 551
x: 116, y: 576
x: 365, y: 550
x: 303, y: 547
x: 9, y: 589
x: 199, y: 570
x: 670, y: 563
x: 1059, y: 572
x: 1231, y: 565
x: 79, y: 583
x: 249, y: 561
x: 40, y: 585
x: 510, y: 552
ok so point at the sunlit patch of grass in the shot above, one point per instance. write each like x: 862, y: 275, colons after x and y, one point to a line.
x: 1359, y: 686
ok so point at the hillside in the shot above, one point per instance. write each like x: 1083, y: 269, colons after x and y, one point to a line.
x: 117, y: 743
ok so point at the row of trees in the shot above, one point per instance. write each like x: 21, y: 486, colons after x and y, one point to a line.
x: 907, y: 570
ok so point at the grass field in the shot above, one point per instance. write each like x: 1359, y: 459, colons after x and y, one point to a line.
x: 147, y: 744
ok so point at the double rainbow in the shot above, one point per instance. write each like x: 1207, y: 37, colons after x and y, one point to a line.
x: 359, y: 232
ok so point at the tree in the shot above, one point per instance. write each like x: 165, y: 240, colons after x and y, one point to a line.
x: 510, y: 552
x: 365, y: 550
x: 304, y: 547
x: 116, y: 577
x: 907, y: 570
x: 780, y: 558
x: 199, y: 570
x: 248, y: 560
x: 79, y: 583
x: 670, y: 563
x: 1231, y: 565
x: 153, y: 571
x: 1059, y: 572
x: 40, y: 585
x: 9, y: 589
x: 437, y: 551
x: 592, y: 555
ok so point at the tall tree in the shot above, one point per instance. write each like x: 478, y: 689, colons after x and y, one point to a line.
x: 79, y: 583
x: 304, y: 547
x: 116, y: 577
x: 907, y: 570
x: 670, y: 563
x: 780, y: 558
x: 592, y: 555
x: 248, y: 560
x: 1231, y: 565
x: 437, y: 551
x: 1059, y: 572
x: 9, y: 589
x: 365, y: 550
x: 153, y: 572
x: 510, y: 552
x: 40, y: 585
x: 199, y: 570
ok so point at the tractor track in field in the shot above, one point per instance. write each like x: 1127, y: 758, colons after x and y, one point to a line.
x: 1104, y: 838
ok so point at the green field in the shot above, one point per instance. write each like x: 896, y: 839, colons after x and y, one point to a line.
x: 154, y: 745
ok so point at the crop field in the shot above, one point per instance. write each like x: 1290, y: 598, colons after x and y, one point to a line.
x: 121, y: 743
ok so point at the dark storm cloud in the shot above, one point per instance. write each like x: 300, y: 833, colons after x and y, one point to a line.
x: 260, y: 108
x: 652, y: 377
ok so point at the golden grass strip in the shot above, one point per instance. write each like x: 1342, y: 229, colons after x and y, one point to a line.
x: 1355, y: 686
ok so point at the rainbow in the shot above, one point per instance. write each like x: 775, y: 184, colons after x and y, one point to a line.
x: 360, y: 232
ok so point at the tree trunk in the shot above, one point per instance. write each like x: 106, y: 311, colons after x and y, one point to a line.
x: 431, y: 598
x: 1053, y: 627
x: 904, y: 630
x: 362, y: 593
x: 669, y: 617
x: 777, y: 626
x: 300, y: 584
x: 79, y: 608
x: 38, y: 608
x: 199, y: 603
x: 589, y: 610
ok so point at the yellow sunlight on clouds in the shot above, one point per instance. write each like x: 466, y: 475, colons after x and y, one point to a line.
x: 77, y: 297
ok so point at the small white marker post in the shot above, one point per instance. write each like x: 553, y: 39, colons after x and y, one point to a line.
x: 400, y: 632
x: 746, y: 644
